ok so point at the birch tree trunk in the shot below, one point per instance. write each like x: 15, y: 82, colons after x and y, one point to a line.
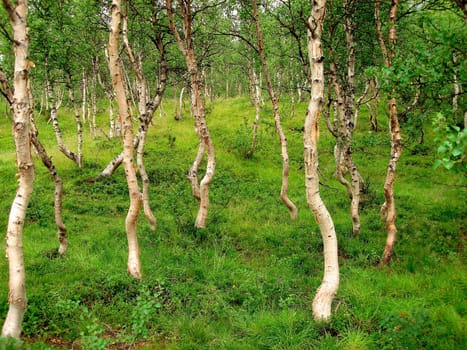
x: 185, y: 44
x: 456, y: 85
x: 58, y: 193
x: 22, y: 109
x: 55, y: 123
x: 277, y: 120
x: 142, y: 88
x: 7, y: 91
x: 330, y: 284
x: 388, y: 209
x: 345, y: 118
x: 79, y: 128
x: 84, y: 83
x: 147, y: 118
x: 134, y: 265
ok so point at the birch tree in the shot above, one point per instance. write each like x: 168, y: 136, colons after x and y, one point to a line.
x: 388, y: 209
x: 345, y: 114
x: 152, y: 103
x: 186, y: 45
x: 327, y: 290
x: 22, y: 109
x: 277, y: 119
x: 7, y: 91
x: 134, y: 264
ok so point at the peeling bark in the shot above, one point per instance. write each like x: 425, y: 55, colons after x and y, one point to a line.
x: 54, y: 105
x: 327, y: 290
x: 145, y: 122
x: 134, y: 264
x: 185, y: 44
x: 345, y: 118
x: 22, y: 109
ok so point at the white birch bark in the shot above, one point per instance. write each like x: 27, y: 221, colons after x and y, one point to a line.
x: 84, y: 91
x: 186, y: 46
x: 345, y: 119
x: 79, y: 127
x: 54, y: 105
x: 142, y: 88
x: 21, y: 107
x: 134, y: 264
x: 146, y: 121
x: 327, y: 290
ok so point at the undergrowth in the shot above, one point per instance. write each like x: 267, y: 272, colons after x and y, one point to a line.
x: 248, y: 280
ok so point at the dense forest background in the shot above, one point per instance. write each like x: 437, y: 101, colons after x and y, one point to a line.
x: 247, y: 276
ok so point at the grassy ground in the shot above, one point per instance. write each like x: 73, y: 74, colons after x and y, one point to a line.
x: 248, y: 280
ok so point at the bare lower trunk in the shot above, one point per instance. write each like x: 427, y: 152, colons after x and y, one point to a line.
x: 330, y: 284
x: 134, y: 265
x: 47, y: 161
x: 79, y: 128
x: 84, y: 83
x: 21, y: 107
x: 388, y: 210
x: 58, y: 133
x: 186, y: 46
x: 112, y: 132
x: 257, y: 104
x: 277, y: 120
x: 145, y: 115
x: 193, y: 172
x: 180, y: 103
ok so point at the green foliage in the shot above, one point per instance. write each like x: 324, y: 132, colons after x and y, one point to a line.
x: 247, y: 281
x: 242, y: 142
x: 420, y: 329
x: 452, y: 141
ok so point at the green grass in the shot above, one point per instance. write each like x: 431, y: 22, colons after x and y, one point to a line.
x: 248, y: 280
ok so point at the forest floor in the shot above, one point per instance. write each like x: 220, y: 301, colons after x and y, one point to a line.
x: 247, y: 281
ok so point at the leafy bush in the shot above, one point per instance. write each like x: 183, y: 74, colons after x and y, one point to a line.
x: 452, y: 145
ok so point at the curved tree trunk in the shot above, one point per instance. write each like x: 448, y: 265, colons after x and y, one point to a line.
x: 277, y: 119
x: 142, y: 89
x: 330, y: 284
x: 58, y: 193
x: 388, y: 209
x: 58, y: 133
x: 147, y: 117
x: 21, y: 107
x: 134, y: 265
x: 185, y: 44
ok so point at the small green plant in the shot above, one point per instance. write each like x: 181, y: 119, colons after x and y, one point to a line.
x: 415, y: 330
x: 243, y: 140
x: 10, y: 344
x: 452, y: 145
x: 148, y: 303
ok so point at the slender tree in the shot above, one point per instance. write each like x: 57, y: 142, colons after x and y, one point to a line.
x: 134, y: 264
x: 277, y: 119
x: 388, y: 209
x: 345, y: 114
x: 21, y: 107
x: 146, y: 110
x: 330, y: 284
x: 186, y: 45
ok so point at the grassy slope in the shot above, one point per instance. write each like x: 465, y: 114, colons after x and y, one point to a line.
x: 248, y: 280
